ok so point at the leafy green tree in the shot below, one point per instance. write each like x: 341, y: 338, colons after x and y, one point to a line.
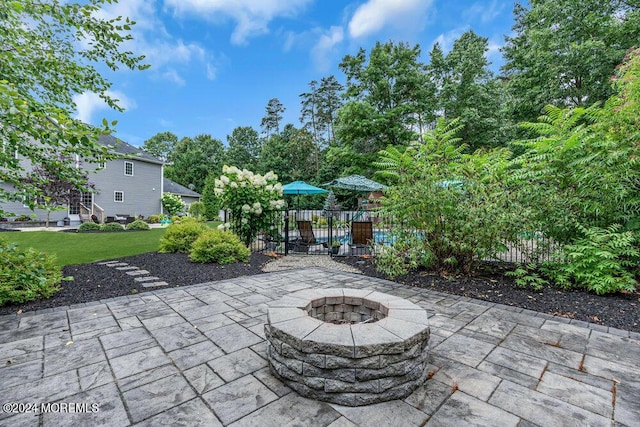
x: 468, y: 90
x: 564, y: 52
x: 289, y: 154
x: 330, y: 98
x: 53, y: 193
x: 310, y: 118
x: 45, y: 61
x: 271, y: 121
x: 194, y: 159
x: 318, y: 112
x: 161, y: 145
x: 244, y: 149
x: 385, y: 97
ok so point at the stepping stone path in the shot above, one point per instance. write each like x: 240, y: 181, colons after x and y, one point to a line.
x: 143, y: 276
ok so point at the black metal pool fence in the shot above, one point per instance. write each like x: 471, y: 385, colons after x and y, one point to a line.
x: 363, y: 232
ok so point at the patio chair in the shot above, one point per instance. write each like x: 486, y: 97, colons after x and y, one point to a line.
x: 306, y: 239
x: 361, y: 237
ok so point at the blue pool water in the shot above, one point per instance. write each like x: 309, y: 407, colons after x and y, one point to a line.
x: 379, y: 236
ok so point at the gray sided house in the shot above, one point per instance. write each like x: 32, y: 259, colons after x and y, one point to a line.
x: 128, y: 186
x: 188, y: 196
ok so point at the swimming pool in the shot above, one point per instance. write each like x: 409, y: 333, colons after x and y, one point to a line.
x: 382, y: 237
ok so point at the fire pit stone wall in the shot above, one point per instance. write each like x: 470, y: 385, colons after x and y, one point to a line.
x: 348, y: 346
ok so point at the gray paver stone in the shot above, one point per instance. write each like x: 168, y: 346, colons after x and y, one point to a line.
x: 236, y: 399
x: 292, y: 410
x: 526, y: 404
x: 237, y: 364
x: 470, y: 411
x: 158, y: 396
x: 110, y: 410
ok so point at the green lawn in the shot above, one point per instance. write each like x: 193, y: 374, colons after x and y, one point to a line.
x: 80, y: 248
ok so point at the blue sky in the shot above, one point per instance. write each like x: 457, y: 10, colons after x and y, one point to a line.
x: 216, y: 63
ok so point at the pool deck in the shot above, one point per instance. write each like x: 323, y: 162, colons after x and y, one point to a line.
x: 196, y: 356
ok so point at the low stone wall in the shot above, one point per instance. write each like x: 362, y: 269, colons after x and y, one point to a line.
x: 348, y: 346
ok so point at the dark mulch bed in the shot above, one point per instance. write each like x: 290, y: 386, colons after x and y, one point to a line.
x: 619, y: 310
x: 93, y: 282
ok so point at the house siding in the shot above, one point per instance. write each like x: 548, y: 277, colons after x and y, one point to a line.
x: 142, y: 190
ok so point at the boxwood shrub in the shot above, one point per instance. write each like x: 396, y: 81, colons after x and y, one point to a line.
x: 111, y: 226
x: 138, y: 224
x: 179, y: 237
x: 89, y: 226
x: 154, y: 219
x: 218, y: 246
x: 26, y: 274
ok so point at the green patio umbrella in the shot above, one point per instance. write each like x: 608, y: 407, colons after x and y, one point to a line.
x: 355, y: 183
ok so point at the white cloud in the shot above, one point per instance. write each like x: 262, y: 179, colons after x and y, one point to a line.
x: 173, y: 76
x: 166, y: 124
x: 87, y: 103
x: 152, y: 39
x: 486, y: 12
x: 325, y: 46
x: 211, y: 71
x: 374, y: 15
x: 252, y: 17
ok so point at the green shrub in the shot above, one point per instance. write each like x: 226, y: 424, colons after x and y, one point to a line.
x: 89, y: 226
x: 186, y: 219
x: 527, y: 276
x: 222, y: 247
x: 197, y: 210
x: 154, y: 219
x: 180, y: 237
x: 138, y: 224
x: 601, y: 261
x: 464, y: 218
x: 112, y: 226
x: 406, y: 254
x: 209, y: 199
x: 26, y: 275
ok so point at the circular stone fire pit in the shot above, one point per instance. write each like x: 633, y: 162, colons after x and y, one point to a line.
x: 348, y: 346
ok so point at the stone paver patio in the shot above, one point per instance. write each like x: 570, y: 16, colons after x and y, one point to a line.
x: 196, y: 356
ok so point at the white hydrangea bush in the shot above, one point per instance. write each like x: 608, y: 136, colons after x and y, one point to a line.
x: 252, y: 199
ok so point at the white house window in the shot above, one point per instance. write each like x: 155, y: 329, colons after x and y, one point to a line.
x: 128, y: 168
x: 102, y: 165
x: 118, y: 196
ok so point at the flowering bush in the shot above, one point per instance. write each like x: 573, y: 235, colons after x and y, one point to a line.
x: 173, y: 203
x: 251, y: 199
